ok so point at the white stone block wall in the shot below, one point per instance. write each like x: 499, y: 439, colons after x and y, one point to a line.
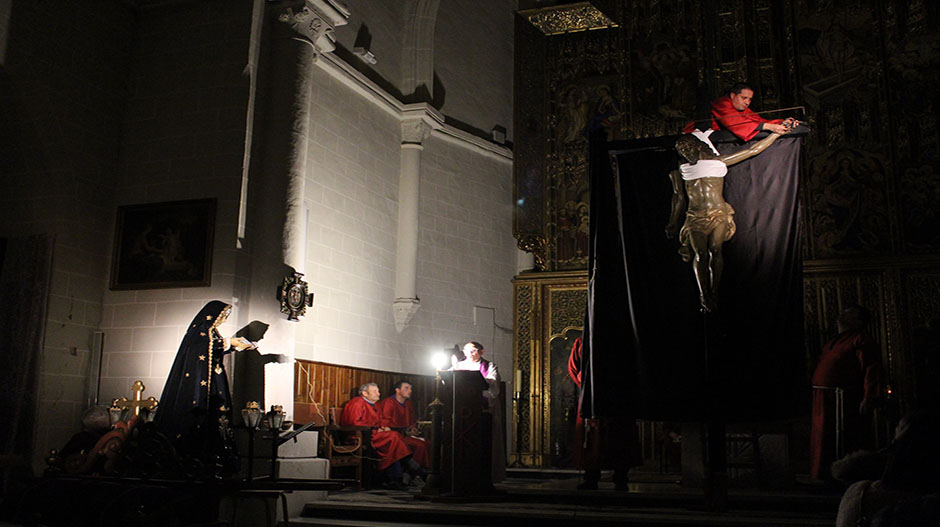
x: 352, y: 189
x: 466, y: 253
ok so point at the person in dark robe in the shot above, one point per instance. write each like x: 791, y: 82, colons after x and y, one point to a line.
x: 732, y: 112
x: 397, y: 412
x: 602, y: 442
x: 387, y: 443
x: 851, y: 363
x: 196, y: 405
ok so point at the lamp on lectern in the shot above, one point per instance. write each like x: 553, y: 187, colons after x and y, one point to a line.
x: 439, y: 360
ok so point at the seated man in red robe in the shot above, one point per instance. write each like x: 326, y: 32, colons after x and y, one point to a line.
x: 388, y: 444
x: 602, y: 443
x: 398, y: 412
x: 732, y: 112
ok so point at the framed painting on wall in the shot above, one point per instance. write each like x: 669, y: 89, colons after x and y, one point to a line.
x: 161, y: 245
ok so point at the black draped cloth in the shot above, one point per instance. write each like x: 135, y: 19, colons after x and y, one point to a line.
x: 649, y: 352
x: 195, y: 407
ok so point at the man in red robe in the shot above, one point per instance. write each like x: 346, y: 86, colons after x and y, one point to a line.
x: 732, y: 112
x: 850, y: 362
x: 602, y: 443
x: 387, y: 443
x: 398, y: 412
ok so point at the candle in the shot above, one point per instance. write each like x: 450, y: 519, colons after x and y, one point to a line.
x: 518, y: 383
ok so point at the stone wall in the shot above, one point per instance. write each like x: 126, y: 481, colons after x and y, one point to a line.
x: 63, y: 88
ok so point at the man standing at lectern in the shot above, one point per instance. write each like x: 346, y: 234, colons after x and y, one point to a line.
x: 398, y: 412
x: 732, y: 112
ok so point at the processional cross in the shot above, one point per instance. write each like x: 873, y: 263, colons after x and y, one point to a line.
x: 136, y: 403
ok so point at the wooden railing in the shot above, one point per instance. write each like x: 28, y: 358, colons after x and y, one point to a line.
x: 318, y: 386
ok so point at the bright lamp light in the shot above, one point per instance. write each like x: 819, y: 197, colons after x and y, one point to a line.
x: 439, y: 360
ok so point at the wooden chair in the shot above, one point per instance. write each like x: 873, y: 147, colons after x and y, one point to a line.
x: 348, y: 446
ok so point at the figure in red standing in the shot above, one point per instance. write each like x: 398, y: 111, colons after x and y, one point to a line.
x: 602, y: 442
x: 850, y: 362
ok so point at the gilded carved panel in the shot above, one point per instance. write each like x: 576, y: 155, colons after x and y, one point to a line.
x: 523, y: 343
x: 913, y: 70
x: 550, y: 314
x: 921, y: 310
x: 567, y: 309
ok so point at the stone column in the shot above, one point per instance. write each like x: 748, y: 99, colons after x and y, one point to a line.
x: 417, y: 122
x: 297, y: 33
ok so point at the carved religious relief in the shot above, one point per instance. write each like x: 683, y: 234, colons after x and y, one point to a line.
x: 586, y: 102
x: 315, y: 22
x: 918, y: 197
x: 922, y: 298
x: 848, y: 203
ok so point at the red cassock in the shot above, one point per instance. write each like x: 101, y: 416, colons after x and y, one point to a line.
x: 743, y: 124
x: 397, y: 415
x: 849, y: 361
x: 611, y: 441
x: 388, y: 445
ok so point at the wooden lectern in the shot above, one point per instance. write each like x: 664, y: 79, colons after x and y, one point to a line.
x: 466, y: 435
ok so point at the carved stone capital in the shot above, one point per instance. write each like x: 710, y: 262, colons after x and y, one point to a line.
x: 417, y: 122
x: 414, y: 131
x: 315, y: 21
x: 404, y: 310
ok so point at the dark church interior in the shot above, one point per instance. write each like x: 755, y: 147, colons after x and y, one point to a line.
x: 339, y: 189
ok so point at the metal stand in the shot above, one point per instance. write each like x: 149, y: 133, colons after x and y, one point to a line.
x: 251, y: 453
x: 274, y: 445
x: 433, y: 485
x: 517, y: 402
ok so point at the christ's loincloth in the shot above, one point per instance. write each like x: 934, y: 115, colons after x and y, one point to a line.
x: 705, y: 222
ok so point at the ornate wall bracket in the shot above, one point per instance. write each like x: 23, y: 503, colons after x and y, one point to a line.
x: 294, y: 296
x: 537, y: 245
x: 568, y: 18
x: 404, y: 310
x: 315, y: 22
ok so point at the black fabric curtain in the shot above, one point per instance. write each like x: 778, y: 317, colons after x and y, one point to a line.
x: 25, y: 276
x: 649, y: 352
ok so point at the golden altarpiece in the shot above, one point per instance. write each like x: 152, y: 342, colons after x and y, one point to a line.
x: 871, y: 167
